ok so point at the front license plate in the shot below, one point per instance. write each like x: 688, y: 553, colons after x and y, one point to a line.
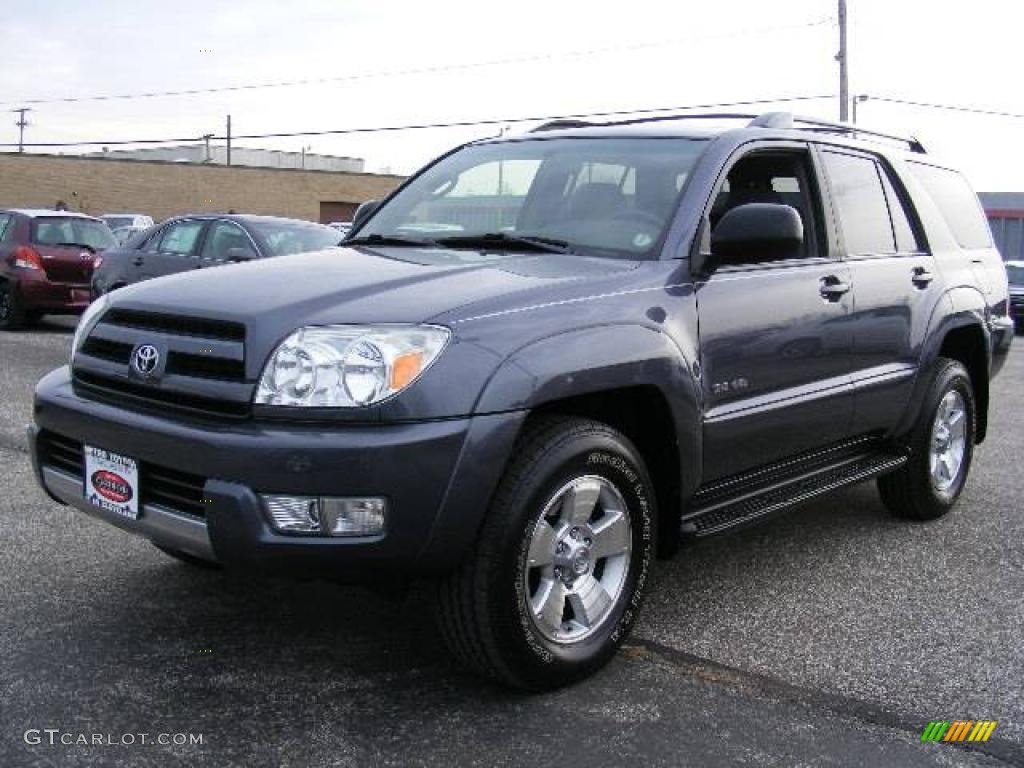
x: 79, y: 295
x: 112, y: 482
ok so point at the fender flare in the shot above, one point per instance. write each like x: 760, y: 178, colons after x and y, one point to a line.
x: 960, y: 307
x: 596, y: 359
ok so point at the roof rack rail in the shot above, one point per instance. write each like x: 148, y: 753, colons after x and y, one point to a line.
x: 777, y: 120
x: 573, y: 123
x: 554, y: 125
x: 786, y: 120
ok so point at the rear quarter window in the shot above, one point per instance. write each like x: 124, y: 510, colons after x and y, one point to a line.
x: 958, y: 204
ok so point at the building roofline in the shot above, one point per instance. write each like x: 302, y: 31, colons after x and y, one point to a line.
x: 204, y: 166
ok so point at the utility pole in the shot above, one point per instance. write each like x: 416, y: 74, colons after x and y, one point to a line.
x: 843, y: 59
x: 22, y: 124
x: 229, y: 140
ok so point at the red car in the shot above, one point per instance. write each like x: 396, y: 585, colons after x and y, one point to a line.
x: 46, y: 263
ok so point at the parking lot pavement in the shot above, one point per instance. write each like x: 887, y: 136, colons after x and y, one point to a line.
x: 829, y: 636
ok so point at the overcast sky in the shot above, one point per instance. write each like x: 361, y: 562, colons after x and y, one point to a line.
x: 584, y: 57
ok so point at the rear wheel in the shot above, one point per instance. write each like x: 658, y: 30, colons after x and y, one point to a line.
x: 557, y: 576
x: 12, y: 314
x: 941, y: 448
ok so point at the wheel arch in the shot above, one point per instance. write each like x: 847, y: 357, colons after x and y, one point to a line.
x: 633, y: 378
x: 960, y: 334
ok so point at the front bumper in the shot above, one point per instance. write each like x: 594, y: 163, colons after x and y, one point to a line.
x: 437, y: 477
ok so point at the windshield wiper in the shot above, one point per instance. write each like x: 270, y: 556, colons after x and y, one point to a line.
x: 544, y: 244
x: 388, y: 240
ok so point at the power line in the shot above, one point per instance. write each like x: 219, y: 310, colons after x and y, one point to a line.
x: 424, y: 126
x: 946, y: 107
x: 438, y: 69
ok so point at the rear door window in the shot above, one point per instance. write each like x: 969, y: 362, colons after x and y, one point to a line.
x: 860, y: 202
x: 5, y: 222
x: 957, y: 203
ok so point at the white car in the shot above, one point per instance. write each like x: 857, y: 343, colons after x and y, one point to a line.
x: 135, y: 220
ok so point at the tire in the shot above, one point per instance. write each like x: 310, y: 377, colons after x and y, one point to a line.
x: 12, y: 314
x: 485, y: 605
x: 184, y: 557
x: 914, y: 491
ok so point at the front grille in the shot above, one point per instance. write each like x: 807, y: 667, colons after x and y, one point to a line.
x: 195, y: 350
x: 120, y: 392
x: 183, y: 326
x: 165, y: 487
x: 172, y: 489
x: 61, y: 453
x: 105, y: 349
x: 205, y: 367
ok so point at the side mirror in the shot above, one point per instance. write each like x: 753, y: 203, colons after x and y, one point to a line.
x: 239, y: 254
x: 363, y: 212
x: 758, y: 232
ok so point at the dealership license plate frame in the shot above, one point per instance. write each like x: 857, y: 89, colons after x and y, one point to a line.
x: 118, y: 469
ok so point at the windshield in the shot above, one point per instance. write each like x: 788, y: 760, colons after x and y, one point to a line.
x: 283, y: 237
x: 56, y: 230
x: 605, y: 197
x: 119, y: 221
x: 1016, y: 274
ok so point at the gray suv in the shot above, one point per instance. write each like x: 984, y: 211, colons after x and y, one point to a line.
x: 542, y: 362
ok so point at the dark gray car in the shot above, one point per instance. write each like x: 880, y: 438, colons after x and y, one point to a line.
x: 543, y: 361
x: 184, y: 243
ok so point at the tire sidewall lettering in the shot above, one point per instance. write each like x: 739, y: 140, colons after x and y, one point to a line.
x: 620, y: 471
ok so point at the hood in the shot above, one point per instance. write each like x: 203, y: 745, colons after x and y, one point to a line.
x: 361, y: 285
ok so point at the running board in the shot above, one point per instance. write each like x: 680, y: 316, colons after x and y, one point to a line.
x: 713, y: 510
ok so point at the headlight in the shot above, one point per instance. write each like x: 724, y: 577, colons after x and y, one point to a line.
x: 87, y: 321
x: 348, y: 366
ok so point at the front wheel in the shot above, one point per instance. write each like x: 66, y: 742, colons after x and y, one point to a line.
x: 557, y: 576
x: 941, y: 448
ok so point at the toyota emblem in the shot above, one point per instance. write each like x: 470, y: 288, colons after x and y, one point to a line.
x: 145, y: 359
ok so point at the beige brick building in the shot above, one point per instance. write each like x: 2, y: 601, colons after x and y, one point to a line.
x: 163, y: 189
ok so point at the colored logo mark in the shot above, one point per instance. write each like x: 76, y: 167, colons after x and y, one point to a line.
x: 959, y: 730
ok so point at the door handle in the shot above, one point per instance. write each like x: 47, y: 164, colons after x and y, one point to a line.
x: 921, y: 277
x: 137, y: 261
x: 832, y: 288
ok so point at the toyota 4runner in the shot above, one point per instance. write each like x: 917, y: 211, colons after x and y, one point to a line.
x: 543, y: 361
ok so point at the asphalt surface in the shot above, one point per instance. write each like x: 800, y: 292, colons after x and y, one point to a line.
x: 827, y: 636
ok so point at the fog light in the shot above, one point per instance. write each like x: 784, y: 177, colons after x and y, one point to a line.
x: 293, y: 514
x: 352, y: 517
x: 326, y: 515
